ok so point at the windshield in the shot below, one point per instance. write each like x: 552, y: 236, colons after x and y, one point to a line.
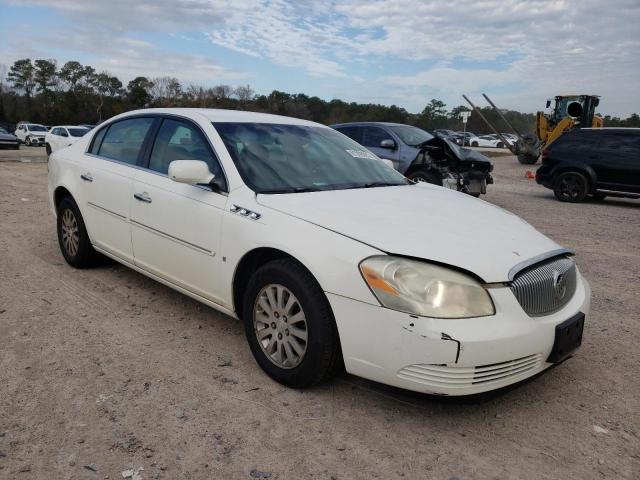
x: 36, y: 128
x: 411, y: 136
x: 273, y: 158
x: 77, y: 132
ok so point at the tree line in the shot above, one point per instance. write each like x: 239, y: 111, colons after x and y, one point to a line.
x: 42, y: 91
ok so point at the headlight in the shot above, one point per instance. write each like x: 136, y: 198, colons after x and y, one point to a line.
x: 425, y: 289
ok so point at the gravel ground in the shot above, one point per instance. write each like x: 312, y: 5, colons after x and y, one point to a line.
x: 104, y: 371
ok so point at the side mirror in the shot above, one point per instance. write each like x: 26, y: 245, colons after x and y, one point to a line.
x: 548, y: 103
x: 191, y: 172
x: 388, y: 143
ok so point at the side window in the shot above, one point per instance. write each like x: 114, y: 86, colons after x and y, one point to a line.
x: 178, y: 140
x: 354, y: 133
x: 373, y: 136
x: 124, y: 139
x: 55, y: 131
x: 97, y: 141
x: 622, y: 145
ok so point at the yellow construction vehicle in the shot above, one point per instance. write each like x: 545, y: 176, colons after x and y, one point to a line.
x: 570, y: 111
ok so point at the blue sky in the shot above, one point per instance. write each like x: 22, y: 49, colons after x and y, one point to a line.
x: 401, y: 52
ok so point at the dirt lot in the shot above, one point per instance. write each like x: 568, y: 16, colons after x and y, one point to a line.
x: 104, y: 370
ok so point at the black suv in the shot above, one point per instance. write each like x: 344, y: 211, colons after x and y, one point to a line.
x: 598, y: 162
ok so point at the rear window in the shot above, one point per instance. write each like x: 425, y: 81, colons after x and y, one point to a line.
x: 123, y: 140
x: 576, y: 141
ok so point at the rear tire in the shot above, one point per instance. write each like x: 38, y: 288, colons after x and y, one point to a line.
x: 424, y: 175
x: 73, y: 239
x: 571, y: 187
x: 282, y: 298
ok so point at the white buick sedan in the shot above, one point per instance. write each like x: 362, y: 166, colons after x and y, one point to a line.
x: 329, y: 257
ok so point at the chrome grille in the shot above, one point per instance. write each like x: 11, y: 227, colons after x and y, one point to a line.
x: 545, y: 287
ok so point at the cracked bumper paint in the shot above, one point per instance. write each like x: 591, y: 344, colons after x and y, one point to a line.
x: 449, y: 357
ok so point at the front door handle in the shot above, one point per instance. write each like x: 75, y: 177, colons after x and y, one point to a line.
x: 143, y: 197
x: 86, y: 177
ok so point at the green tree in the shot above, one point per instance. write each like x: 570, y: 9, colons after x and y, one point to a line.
x: 21, y: 75
x: 105, y: 86
x: 71, y: 73
x: 139, y: 91
x: 434, y: 114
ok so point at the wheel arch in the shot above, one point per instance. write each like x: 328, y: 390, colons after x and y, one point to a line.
x: 59, y: 194
x: 249, y: 263
x: 586, y: 170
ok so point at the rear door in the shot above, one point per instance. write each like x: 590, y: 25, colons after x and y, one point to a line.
x: 107, y: 173
x: 176, y: 227
x: 618, y: 163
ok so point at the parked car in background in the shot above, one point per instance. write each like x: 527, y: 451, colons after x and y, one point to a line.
x: 284, y: 224
x: 511, y: 138
x: 63, y: 136
x: 448, y: 134
x: 596, y: 162
x: 422, y: 157
x: 467, y: 139
x: 8, y: 140
x: 31, y: 134
x: 488, y: 141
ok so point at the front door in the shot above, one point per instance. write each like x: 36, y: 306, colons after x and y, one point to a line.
x: 373, y: 136
x: 176, y: 227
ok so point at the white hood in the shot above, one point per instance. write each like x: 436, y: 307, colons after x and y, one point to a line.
x: 423, y: 221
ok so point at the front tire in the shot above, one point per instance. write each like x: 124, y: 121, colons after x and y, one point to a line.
x: 571, y: 187
x: 424, y: 175
x: 290, y: 326
x: 47, y: 147
x: 474, y: 144
x: 73, y: 239
x: 27, y: 142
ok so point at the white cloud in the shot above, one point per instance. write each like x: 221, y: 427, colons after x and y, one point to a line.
x: 520, y: 51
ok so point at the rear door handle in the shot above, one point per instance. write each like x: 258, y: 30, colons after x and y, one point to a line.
x: 86, y: 177
x: 143, y: 197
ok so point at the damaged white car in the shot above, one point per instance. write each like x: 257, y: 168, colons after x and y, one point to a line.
x: 330, y: 257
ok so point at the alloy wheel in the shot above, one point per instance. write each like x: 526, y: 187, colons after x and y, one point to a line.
x: 280, y: 326
x: 70, y: 234
x: 571, y: 187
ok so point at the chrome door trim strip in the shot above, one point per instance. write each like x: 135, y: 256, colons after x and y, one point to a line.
x: 175, y: 239
x: 121, y: 217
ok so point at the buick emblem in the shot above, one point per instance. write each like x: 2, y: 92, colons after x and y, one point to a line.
x: 559, y: 285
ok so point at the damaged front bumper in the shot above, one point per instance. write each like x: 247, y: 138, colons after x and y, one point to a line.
x: 450, y: 357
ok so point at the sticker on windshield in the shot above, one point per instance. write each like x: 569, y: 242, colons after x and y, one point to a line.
x: 362, y: 154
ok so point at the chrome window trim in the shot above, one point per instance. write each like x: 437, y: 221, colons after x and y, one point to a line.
x: 148, y: 170
x: 145, y: 169
x: 538, y: 258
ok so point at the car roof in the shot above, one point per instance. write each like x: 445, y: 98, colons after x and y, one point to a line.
x: 69, y: 126
x: 223, y: 116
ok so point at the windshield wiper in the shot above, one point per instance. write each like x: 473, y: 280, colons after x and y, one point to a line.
x: 292, y: 190
x: 380, y: 184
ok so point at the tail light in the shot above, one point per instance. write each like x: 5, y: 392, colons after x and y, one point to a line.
x: 545, y: 154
